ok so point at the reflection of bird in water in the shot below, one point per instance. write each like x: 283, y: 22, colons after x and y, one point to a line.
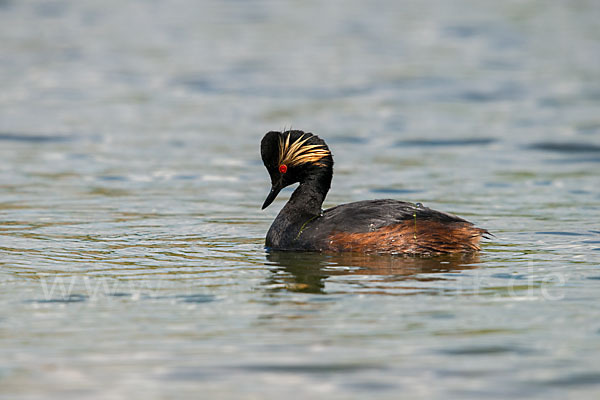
x: 375, y: 226
x: 307, y: 272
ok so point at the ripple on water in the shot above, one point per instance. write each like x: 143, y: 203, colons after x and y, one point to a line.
x: 80, y: 298
x: 192, y: 298
x: 481, y: 96
x: 29, y: 138
x: 565, y: 147
x: 203, y: 85
x: 348, y: 140
x: 485, y: 350
x: 585, y: 378
x: 588, y: 128
x: 387, y: 190
x: 445, y: 142
x: 72, y: 298
x: 309, y: 368
x: 562, y: 233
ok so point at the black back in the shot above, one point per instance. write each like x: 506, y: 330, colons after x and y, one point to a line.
x: 363, y: 216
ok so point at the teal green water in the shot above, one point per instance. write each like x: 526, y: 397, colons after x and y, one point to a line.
x: 131, y: 236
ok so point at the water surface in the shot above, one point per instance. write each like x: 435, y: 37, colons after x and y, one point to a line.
x: 131, y: 236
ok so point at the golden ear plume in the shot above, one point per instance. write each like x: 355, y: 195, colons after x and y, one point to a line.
x: 298, y: 152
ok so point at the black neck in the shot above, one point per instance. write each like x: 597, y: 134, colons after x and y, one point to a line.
x: 304, y: 205
x: 308, y: 198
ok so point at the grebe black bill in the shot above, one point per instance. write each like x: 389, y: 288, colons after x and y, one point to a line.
x: 369, y: 226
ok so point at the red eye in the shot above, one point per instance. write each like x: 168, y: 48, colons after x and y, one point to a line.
x: 283, y: 168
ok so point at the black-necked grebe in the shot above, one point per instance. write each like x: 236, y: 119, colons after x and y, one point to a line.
x: 371, y: 226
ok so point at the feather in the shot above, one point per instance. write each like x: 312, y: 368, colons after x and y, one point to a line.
x: 298, y: 152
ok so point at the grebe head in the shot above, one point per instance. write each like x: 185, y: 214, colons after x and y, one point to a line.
x: 293, y: 156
